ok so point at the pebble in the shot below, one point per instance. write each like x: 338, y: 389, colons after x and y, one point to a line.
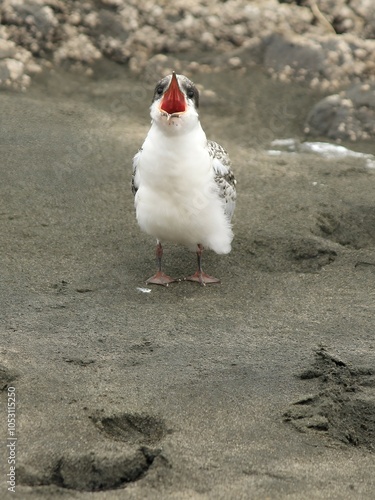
x: 295, y: 43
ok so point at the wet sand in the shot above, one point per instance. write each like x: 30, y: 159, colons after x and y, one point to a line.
x: 262, y: 387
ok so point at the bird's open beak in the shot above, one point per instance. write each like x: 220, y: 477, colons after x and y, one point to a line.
x: 173, y: 100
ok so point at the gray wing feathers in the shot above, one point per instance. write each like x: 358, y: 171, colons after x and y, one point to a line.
x: 224, y: 176
x: 134, y: 181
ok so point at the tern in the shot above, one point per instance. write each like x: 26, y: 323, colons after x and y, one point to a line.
x: 185, y: 190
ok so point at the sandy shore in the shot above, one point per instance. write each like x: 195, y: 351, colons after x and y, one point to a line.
x: 262, y: 387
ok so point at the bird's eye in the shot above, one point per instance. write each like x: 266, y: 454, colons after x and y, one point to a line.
x: 190, y: 93
x: 159, y: 90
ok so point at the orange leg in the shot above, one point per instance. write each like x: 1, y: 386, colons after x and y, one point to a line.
x: 160, y: 278
x: 200, y: 276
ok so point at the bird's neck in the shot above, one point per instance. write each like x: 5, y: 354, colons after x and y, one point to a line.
x: 177, y: 133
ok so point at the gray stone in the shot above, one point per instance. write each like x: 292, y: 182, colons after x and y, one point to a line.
x: 349, y: 115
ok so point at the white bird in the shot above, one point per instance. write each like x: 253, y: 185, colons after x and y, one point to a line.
x: 185, y: 190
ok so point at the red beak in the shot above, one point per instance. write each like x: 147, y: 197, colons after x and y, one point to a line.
x: 173, y: 99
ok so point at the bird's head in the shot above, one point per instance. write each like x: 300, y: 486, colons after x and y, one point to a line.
x: 175, y: 103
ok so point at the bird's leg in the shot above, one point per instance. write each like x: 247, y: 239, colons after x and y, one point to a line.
x: 200, y: 275
x: 160, y: 278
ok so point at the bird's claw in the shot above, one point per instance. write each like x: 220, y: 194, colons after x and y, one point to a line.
x: 202, y: 278
x: 160, y: 278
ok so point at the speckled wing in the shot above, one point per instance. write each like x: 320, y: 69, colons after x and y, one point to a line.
x: 224, y: 176
x: 134, y: 181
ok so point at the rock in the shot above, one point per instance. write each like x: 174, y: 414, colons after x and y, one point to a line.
x: 294, y: 40
x: 342, y: 15
x: 112, y: 25
x: 362, y: 95
x: 7, y: 49
x: 16, y: 64
x: 31, y: 24
x: 77, y: 48
x: 32, y: 13
x: 250, y: 54
x: 12, y: 74
x: 11, y: 69
x: 293, y: 57
x: 349, y: 115
x: 114, y: 49
x: 323, y: 62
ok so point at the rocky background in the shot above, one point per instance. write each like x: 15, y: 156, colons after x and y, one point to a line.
x: 328, y: 45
